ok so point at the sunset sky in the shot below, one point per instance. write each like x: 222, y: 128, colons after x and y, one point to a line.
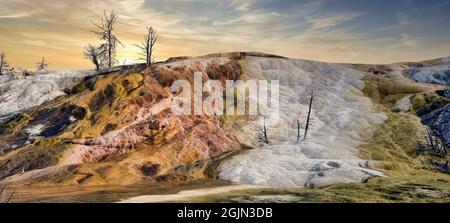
x: 356, y: 31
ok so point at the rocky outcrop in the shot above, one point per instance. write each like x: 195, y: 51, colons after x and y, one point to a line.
x: 23, y: 92
x: 436, y: 72
x: 436, y: 115
x: 444, y: 93
x: 442, y: 125
x: 403, y: 105
x: 121, y: 118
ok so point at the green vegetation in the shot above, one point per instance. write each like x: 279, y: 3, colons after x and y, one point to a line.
x: 394, y: 142
x: 392, y: 147
x: 96, y: 99
x: 386, y: 91
x: 410, y: 186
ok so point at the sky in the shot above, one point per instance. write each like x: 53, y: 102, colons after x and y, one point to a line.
x: 349, y: 31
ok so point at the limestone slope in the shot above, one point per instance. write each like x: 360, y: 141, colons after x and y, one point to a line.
x: 343, y: 119
x: 117, y: 128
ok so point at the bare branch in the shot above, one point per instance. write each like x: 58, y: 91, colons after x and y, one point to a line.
x: 3, y: 189
x: 262, y: 133
x: 96, y: 55
x: 298, y: 130
x: 308, y: 119
x: 42, y: 65
x: 3, y: 193
x: 147, y: 47
x: 105, y: 33
x: 3, y: 63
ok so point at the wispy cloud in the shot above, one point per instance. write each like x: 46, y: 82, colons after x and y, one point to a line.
x: 409, y: 41
x: 39, y: 43
x: 15, y: 15
x: 403, y: 19
x: 242, y: 5
x: 321, y: 29
x: 249, y: 19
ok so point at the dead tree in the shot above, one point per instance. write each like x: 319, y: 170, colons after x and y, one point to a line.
x: 262, y: 133
x: 105, y: 33
x: 3, y: 63
x: 96, y: 55
x: 42, y: 65
x: 434, y: 145
x: 148, y: 45
x: 298, y: 130
x: 308, y: 118
x: 441, y: 167
x: 4, y: 197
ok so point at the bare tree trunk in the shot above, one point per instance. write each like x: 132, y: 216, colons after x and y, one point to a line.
x: 430, y: 138
x: 105, y: 33
x: 109, y: 50
x: 265, y: 131
x: 309, y: 115
x: 3, y: 193
x: 147, y: 46
x: 435, y: 144
x: 152, y: 44
x: 262, y: 133
x: 97, y: 65
x: 42, y: 65
x: 3, y: 63
x: 97, y: 55
x: 298, y: 130
x: 149, y: 52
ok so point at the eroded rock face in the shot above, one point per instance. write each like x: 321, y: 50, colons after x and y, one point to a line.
x: 436, y: 115
x: 437, y: 72
x: 196, y: 137
x: 118, y: 128
x: 20, y: 93
x: 52, y: 121
x: 45, y: 123
x: 343, y: 119
x: 442, y: 125
x: 444, y: 93
x: 119, y: 123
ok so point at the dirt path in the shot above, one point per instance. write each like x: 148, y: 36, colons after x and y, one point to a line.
x: 187, y: 194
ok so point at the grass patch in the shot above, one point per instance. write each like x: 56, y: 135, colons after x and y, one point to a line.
x: 394, y: 142
x: 386, y: 91
x: 415, y: 186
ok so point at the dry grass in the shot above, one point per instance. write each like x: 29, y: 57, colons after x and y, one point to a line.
x: 387, y: 91
x: 410, y: 186
x: 394, y: 142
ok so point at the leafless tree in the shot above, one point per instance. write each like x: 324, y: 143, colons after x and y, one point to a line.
x: 97, y: 55
x: 262, y: 133
x: 3, y: 63
x: 147, y: 47
x: 42, y: 65
x: 105, y: 33
x: 435, y: 148
x: 298, y: 130
x: 434, y: 145
x: 441, y: 167
x: 4, y: 197
x: 308, y: 118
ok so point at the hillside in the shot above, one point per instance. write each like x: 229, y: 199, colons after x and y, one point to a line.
x: 86, y: 129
